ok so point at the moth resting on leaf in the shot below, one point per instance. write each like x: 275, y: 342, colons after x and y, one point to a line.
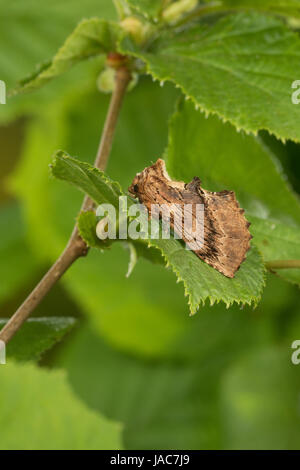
x: 226, y: 237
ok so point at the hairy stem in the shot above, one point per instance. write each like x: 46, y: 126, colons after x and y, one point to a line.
x: 283, y: 264
x: 76, y: 247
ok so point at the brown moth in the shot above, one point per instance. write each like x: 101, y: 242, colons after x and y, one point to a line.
x: 226, y: 236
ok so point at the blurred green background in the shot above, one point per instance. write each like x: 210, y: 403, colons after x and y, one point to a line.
x: 221, y: 379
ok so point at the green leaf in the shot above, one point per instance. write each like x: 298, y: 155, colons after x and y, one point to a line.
x: 90, y: 39
x: 240, y: 68
x: 18, y: 263
x: 283, y: 7
x: 148, y: 8
x: 47, y: 407
x: 36, y: 336
x: 204, y: 147
x: 201, y: 281
x: 87, y: 178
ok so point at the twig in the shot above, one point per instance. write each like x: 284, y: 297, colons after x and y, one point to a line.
x: 283, y: 264
x: 76, y: 246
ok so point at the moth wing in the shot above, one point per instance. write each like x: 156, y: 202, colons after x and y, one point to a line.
x: 230, y: 231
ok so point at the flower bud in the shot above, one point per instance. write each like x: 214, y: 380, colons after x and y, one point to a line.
x: 137, y: 30
x: 106, y: 80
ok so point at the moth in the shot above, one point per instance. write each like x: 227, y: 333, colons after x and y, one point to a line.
x: 226, y: 237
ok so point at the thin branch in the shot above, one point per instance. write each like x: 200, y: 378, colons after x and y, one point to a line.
x: 76, y: 246
x: 283, y: 264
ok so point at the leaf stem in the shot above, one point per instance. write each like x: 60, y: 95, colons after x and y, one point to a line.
x: 283, y: 264
x: 76, y: 247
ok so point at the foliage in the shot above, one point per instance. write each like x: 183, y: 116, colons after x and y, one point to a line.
x: 222, y: 378
x: 90, y: 38
x: 240, y: 68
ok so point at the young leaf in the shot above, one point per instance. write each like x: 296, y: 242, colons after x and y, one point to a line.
x: 90, y: 180
x: 61, y: 420
x: 241, y: 68
x: 91, y: 38
x: 36, y: 336
x: 254, y: 174
x: 201, y: 281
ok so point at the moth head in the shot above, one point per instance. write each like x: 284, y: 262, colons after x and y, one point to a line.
x: 135, y: 185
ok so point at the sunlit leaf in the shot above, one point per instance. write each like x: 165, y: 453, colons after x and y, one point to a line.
x: 91, y: 38
x: 241, y: 68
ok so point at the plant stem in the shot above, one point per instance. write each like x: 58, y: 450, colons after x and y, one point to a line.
x: 283, y: 264
x: 76, y: 246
